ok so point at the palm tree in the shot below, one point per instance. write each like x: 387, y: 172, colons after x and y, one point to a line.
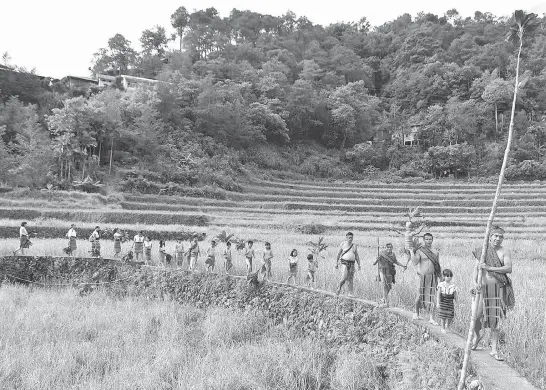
x: 524, y: 25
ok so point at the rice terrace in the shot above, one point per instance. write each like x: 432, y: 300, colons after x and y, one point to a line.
x: 254, y: 201
x: 278, y: 212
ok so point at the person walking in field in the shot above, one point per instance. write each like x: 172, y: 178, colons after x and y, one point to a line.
x: 265, y: 269
x: 292, y: 266
x: 445, y: 297
x: 427, y: 260
x: 117, y: 242
x: 348, y: 256
x: 193, y: 252
x: 496, y: 289
x: 162, y: 253
x: 24, y: 242
x: 147, y: 251
x: 71, y: 235
x: 249, y: 256
x: 138, y: 244
x: 386, y: 262
x: 312, y: 266
x: 228, y: 263
x: 94, y: 238
x: 179, y: 253
x: 211, y: 256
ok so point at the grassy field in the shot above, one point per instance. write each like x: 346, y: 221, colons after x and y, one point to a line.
x: 58, y: 340
x: 264, y: 213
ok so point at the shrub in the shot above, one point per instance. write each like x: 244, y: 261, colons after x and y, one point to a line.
x: 526, y: 170
x: 114, y: 217
x: 363, y: 156
x: 456, y: 159
x: 312, y: 228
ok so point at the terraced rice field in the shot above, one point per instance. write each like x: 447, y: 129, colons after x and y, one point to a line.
x: 279, y: 212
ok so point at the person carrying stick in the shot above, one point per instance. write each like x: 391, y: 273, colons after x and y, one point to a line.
x: 496, y: 289
x: 386, y: 261
x: 427, y: 260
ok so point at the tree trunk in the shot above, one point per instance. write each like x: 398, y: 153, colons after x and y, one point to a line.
x: 111, y: 153
x: 485, y: 244
x: 100, y: 147
x: 496, y: 120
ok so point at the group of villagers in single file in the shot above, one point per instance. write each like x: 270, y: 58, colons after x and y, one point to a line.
x: 437, y: 293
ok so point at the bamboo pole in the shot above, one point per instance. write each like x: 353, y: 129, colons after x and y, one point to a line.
x: 485, y: 244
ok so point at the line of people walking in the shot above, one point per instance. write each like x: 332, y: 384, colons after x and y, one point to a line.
x: 436, y: 291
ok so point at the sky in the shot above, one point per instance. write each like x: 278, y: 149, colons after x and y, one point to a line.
x: 58, y: 38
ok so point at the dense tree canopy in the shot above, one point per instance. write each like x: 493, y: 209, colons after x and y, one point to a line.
x: 239, y: 82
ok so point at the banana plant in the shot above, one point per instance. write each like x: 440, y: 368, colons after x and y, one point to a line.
x: 224, y: 237
x: 316, y: 248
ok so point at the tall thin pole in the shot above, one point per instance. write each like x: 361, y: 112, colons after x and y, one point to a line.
x: 477, y: 297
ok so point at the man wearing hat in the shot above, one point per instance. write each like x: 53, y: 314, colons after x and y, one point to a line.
x: 497, y: 292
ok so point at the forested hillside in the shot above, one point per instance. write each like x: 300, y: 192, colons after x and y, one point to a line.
x: 249, y: 92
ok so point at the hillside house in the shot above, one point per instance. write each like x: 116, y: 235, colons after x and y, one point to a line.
x: 127, y: 82
x: 77, y: 82
x: 407, y: 137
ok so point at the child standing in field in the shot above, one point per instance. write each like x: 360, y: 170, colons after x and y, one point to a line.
x: 162, y: 253
x: 312, y: 266
x: 265, y: 270
x: 293, y: 266
x: 179, y: 253
x: 211, y: 256
x: 249, y: 256
x: 227, y: 257
x: 148, y: 250
x: 445, y: 297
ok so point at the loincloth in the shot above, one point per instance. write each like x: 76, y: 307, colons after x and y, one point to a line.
x: 427, y: 291
x: 493, y: 306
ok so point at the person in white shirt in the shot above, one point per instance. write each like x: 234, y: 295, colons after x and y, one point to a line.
x: 139, y: 245
x: 71, y: 235
x: 24, y: 242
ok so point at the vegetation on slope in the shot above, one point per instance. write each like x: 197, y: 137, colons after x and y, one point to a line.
x: 250, y: 91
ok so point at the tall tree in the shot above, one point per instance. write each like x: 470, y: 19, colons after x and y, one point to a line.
x: 116, y: 59
x: 524, y: 25
x: 154, y: 41
x: 179, y: 20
